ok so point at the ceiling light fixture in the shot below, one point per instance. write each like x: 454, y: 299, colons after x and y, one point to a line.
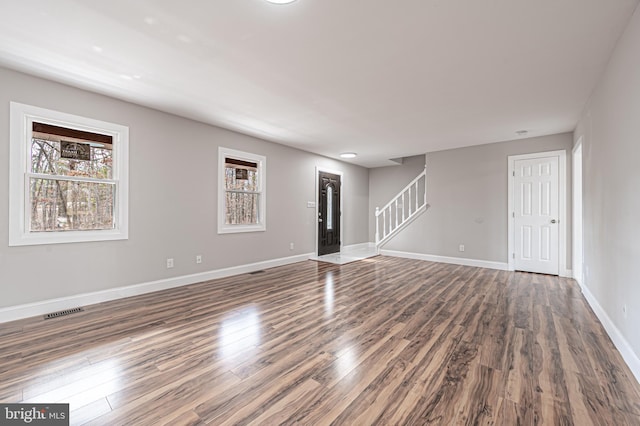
x: 348, y: 155
x: 281, y: 1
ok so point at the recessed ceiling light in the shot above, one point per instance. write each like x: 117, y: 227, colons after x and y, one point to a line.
x: 348, y: 155
x: 281, y: 1
x: 522, y: 132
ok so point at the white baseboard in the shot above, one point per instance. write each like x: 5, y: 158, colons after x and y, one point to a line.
x: 629, y: 356
x: 13, y: 313
x: 445, y: 259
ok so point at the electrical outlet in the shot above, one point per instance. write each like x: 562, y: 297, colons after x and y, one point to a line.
x: 169, y: 263
x: 291, y: 246
x: 461, y: 247
x: 198, y: 259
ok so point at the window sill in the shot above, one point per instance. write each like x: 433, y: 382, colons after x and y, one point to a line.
x: 41, y: 238
x: 234, y: 229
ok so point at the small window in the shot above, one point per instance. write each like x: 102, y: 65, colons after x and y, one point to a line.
x: 241, y: 195
x: 68, y: 178
x: 329, y: 208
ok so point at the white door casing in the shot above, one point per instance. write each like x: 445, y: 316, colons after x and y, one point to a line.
x: 577, y: 247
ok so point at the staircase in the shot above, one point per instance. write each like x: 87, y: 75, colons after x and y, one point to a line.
x: 410, y: 203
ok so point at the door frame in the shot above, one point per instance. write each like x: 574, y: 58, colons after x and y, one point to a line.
x: 577, y: 231
x: 562, y: 207
x: 317, y: 202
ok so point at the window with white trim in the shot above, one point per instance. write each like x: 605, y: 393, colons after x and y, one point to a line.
x: 241, y: 191
x: 68, y: 178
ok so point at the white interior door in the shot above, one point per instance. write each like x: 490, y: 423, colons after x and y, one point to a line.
x: 536, y: 215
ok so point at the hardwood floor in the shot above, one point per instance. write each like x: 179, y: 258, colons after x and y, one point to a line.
x: 383, y: 341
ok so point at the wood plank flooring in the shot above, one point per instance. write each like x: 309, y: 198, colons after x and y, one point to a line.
x: 382, y: 341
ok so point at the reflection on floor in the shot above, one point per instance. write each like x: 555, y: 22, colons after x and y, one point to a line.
x: 347, y: 255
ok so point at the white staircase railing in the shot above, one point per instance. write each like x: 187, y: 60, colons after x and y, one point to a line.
x: 401, y: 210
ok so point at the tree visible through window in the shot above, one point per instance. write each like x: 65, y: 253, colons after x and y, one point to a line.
x: 241, y: 192
x: 71, y: 180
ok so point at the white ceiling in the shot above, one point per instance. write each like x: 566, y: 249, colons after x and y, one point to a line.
x: 385, y: 79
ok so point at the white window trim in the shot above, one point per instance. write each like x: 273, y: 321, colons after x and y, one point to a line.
x: 21, y: 119
x: 224, y: 228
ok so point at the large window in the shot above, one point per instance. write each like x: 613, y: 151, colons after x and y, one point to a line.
x: 68, y: 178
x: 241, y: 191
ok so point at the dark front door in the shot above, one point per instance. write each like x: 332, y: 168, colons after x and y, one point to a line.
x: 328, y: 213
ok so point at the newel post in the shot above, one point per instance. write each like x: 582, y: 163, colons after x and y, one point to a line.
x: 425, y: 184
x: 377, y: 226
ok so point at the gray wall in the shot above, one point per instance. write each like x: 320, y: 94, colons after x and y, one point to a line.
x: 172, y: 207
x: 467, y: 191
x: 610, y: 127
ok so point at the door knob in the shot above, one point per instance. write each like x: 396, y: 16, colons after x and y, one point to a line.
x: 319, y: 220
x: 553, y: 221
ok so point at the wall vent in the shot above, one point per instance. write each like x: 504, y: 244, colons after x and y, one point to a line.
x: 63, y: 313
